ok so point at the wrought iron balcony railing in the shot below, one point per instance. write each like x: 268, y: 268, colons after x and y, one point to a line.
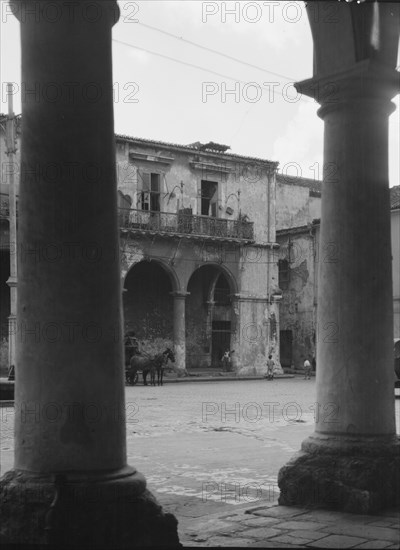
x: 185, y: 224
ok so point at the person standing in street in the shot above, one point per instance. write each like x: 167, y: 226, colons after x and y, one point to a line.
x: 307, y: 370
x: 270, y: 368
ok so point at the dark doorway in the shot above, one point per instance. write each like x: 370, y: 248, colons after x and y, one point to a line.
x: 286, y: 348
x: 209, y: 198
x: 220, y: 341
x: 148, y: 305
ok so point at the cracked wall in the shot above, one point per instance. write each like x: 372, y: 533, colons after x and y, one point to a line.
x: 299, y: 297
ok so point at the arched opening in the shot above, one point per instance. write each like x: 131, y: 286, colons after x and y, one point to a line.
x: 148, y: 306
x: 209, y: 316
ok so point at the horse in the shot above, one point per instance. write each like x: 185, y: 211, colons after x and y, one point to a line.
x: 151, y: 365
x: 167, y: 355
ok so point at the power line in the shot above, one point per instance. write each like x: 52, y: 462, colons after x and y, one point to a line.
x: 197, y: 45
x: 193, y: 66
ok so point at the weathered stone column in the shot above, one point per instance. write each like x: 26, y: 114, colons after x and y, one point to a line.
x: 180, y: 331
x: 236, y: 334
x: 71, y: 484
x: 352, y: 460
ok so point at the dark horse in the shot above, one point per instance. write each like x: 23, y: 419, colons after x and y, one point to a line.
x: 150, y: 365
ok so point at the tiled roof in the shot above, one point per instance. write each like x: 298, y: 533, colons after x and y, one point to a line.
x: 395, y: 197
x: 313, y: 185
x: 192, y: 147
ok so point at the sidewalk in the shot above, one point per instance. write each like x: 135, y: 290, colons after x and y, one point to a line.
x: 215, y: 375
x: 273, y: 526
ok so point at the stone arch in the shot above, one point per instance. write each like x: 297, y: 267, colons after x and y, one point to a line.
x: 148, y: 304
x: 210, y: 317
x: 222, y: 268
x: 176, y: 285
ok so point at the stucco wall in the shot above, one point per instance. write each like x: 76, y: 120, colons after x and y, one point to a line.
x: 298, y: 306
x: 254, y: 320
x: 243, y: 185
x: 295, y: 207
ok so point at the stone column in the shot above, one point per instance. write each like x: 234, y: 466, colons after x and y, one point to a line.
x: 209, y: 321
x: 71, y: 483
x: 352, y: 461
x: 180, y: 331
x: 275, y: 301
x: 236, y: 334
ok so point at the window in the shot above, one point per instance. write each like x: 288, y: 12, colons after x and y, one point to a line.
x: 209, y: 198
x: 284, y: 275
x: 150, y: 194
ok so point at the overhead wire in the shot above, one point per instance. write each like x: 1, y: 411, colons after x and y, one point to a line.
x: 205, y: 69
x: 222, y: 54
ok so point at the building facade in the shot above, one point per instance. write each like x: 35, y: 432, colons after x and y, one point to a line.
x: 298, y: 228
x: 198, y: 252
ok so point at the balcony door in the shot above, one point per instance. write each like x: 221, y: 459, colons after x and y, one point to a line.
x: 150, y: 192
x: 209, y: 198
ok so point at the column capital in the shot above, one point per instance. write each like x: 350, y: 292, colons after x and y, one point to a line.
x: 179, y: 294
x: 45, y: 11
x: 362, y: 82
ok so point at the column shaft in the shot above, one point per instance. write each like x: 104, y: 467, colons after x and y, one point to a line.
x: 355, y: 305
x: 352, y: 460
x: 71, y: 484
x: 180, y: 330
x: 69, y: 387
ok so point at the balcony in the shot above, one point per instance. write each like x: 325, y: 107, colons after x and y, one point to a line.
x: 185, y: 224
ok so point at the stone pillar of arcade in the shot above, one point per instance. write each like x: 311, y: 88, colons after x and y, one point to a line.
x: 352, y: 460
x: 180, y: 331
x: 71, y: 484
x: 236, y: 334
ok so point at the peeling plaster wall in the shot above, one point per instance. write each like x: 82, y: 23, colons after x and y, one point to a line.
x: 198, y: 343
x: 242, y: 184
x: 259, y: 318
x: 295, y: 207
x: 254, y: 321
x: 298, y: 306
x: 314, y: 208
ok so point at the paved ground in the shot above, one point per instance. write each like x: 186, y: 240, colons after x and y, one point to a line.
x: 211, y: 453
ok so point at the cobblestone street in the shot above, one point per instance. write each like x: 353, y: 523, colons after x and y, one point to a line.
x: 212, y: 449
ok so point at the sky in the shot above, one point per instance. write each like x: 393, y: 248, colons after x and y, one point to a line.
x: 168, y: 89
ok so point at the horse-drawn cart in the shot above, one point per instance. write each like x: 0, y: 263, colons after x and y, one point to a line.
x: 137, y: 362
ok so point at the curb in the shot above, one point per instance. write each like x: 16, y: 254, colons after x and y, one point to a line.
x: 222, y: 378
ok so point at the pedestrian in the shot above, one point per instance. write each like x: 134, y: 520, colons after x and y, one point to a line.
x: 270, y: 368
x: 307, y: 370
x: 226, y: 360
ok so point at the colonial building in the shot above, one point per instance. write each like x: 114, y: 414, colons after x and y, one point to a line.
x: 198, y: 251
x: 298, y: 224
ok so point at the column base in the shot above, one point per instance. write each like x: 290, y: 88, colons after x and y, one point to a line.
x: 104, y: 510
x: 358, y: 475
